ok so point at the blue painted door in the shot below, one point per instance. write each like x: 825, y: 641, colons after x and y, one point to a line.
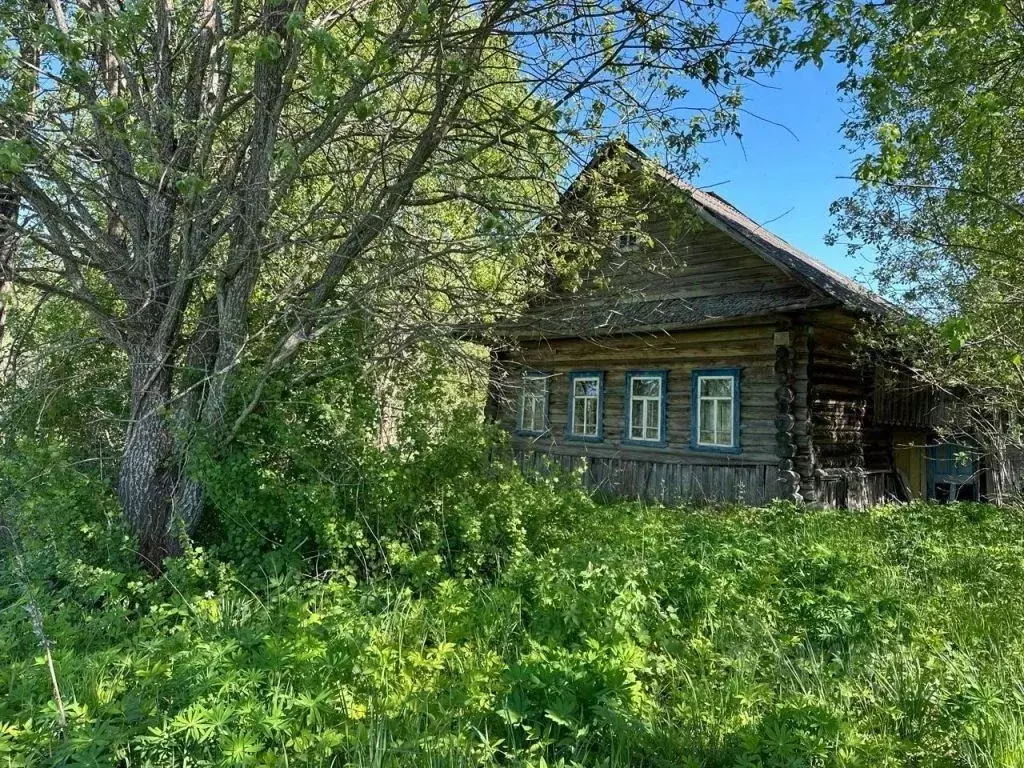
x: 952, y: 472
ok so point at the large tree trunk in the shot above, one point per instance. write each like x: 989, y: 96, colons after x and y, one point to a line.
x: 161, y: 503
x: 151, y: 470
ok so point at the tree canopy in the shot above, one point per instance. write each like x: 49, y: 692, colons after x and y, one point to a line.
x: 937, y: 90
x: 212, y: 186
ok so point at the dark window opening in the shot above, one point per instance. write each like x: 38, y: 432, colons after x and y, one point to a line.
x: 966, y: 493
x: 952, y: 472
x: 947, y: 492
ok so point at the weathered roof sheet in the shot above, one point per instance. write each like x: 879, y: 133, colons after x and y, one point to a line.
x: 614, y: 315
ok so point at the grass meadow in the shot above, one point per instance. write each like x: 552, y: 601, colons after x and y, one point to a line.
x: 634, y: 636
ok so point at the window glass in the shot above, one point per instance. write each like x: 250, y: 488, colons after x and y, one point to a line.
x: 652, y: 420
x: 715, y: 411
x: 533, y: 407
x: 723, y: 421
x: 637, y: 413
x: 646, y: 387
x: 586, y: 387
x: 586, y: 403
x: 707, y: 424
x: 645, y: 407
x: 716, y: 387
x: 590, y: 417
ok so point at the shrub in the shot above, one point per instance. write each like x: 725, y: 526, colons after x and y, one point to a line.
x: 424, y: 507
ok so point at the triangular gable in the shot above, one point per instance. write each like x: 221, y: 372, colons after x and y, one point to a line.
x: 733, y: 270
x: 722, y: 215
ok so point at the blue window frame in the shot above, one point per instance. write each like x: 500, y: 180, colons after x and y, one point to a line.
x: 533, y: 403
x: 715, y: 410
x: 586, y: 406
x: 645, y: 411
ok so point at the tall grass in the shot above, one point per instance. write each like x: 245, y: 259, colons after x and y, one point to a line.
x: 637, y: 636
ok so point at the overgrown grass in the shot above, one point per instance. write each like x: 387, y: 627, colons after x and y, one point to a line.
x: 634, y: 636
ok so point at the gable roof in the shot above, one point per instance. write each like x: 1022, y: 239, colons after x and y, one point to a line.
x: 816, y: 285
x: 720, y: 213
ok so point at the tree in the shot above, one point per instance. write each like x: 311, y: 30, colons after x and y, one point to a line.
x: 216, y: 185
x: 937, y: 90
x: 21, y: 98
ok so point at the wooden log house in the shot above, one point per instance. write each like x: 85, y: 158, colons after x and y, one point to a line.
x: 720, y: 366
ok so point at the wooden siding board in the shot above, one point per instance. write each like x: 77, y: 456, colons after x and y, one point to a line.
x: 909, y: 455
x: 661, y: 481
x: 684, y: 260
x: 651, y: 288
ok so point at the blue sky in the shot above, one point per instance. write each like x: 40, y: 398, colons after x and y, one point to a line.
x: 786, y: 177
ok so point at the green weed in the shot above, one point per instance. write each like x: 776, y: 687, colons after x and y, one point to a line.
x: 598, y: 635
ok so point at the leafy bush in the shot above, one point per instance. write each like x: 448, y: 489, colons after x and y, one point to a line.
x: 628, y: 636
x: 66, y: 520
x: 307, y: 481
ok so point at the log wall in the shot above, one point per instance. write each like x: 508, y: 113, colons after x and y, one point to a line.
x: 806, y: 427
x: 852, y: 453
x: 748, y: 347
x: 838, y: 396
x: 676, y: 471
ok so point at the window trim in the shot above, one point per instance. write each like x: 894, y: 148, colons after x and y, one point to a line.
x: 570, y: 425
x: 703, y: 373
x: 544, y: 376
x: 627, y: 427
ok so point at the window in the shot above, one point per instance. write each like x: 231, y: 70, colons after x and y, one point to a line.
x: 716, y: 400
x: 645, y: 406
x: 585, y: 396
x: 533, y: 404
x: 627, y: 241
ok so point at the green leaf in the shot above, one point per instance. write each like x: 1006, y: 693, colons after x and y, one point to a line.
x: 14, y: 155
x: 269, y: 48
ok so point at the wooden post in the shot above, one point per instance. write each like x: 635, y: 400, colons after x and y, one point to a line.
x: 804, y: 429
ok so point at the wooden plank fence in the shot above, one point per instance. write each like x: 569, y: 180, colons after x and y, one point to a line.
x: 670, y: 482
